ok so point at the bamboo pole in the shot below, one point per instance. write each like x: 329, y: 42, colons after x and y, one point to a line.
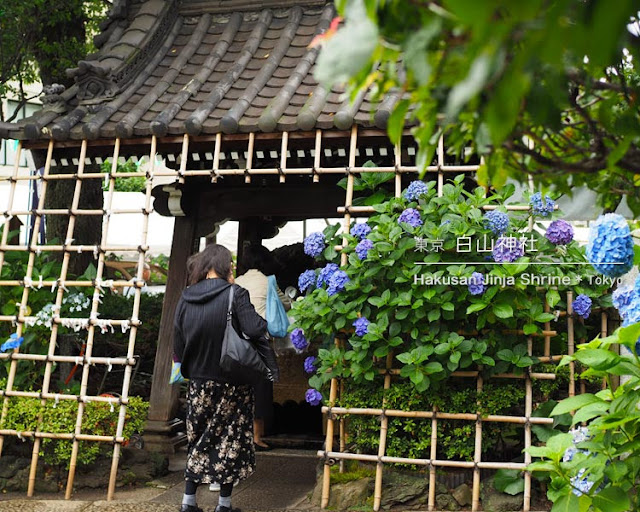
x: 132, y: 334
x: 326, y: 476
x: 63, y: 275
x: 422, y: 462
x: 440, y: 166
x: 397, y: 153
x: 547, y: 329
x: 184, y: 157
x: 215, y: 170
x: 382, y: 443
x: 571, y: 344
x: 432, y: 466
x: 498, y: 418
x: 249, y: 166
x: 477, y: 454
x: 316, y: 156
x: 528, y: 410
x: 283, y: 156
x: 25, y: 292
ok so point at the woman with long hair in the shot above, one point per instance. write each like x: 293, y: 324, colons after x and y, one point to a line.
x: 219, y: 413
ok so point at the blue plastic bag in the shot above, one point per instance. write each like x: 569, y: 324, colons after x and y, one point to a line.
x: 176, y: 375
x: 277, y: 320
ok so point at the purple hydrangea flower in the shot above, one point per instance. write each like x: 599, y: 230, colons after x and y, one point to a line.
x: 539, y: 206
x: 362, y: 326
x: 313, y: 396
x: 410, y: 216
x: 507, y: 249
x: 476, y: 284
x: 337, y: 282
x: 610, y: 246
x: 361, y: 230
x: 306, y: 280
x: 496, y: 221
x: 310, y: 364
x: 363, y: 248
x: 415, y: 189
x: 326, y: 273
x: 559, y: 232
x: 582, y: 306
x: 314, y: 244
x: 298, y: 340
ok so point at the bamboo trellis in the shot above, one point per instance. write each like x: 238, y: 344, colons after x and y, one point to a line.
x: 22, y: 320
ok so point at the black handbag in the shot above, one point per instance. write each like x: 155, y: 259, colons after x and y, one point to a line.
x: 240, y: 361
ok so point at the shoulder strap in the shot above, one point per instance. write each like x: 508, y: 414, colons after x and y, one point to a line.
x: 230, y: 308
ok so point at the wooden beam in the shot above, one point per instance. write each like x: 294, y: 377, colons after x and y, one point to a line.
x: 164, y: 397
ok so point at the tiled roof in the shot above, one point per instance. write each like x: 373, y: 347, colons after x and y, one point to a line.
x: 197, y: 67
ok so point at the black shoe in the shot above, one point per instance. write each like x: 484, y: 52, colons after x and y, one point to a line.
x: 190, y: 508
x: 220, y: 508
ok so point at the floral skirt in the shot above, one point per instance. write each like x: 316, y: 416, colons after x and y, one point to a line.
x: 220, y: 432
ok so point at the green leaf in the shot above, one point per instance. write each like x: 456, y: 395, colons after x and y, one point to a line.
x: 350, y: 49
x: 530, y: 328
x: 478, y: 306
x: 612, y: 499
x: 574, y: 403
x: 503, y: 310
x: 509, y: 481
x: 597, y: 358
x: 463, y: 91
x: 553, y: 297
x: 566, y: 503
x: 415, y: 51
x: 395, y: 125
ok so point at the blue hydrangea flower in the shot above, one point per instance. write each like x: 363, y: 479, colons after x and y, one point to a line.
x: 337, y: 282
x: 363, y: 248
x: 622, y: 297
x: 610, y: 246
x: 543, y: 207
x: 496, y: 221
x: 361, y: 230
x: 410, y: 216
x: 476, y: 284
x: 580, y: 434
x: 298, y: 340
x: 313, y: 396
x: 415, y: 189
x: 12, y: 342
x: 581, y: 485
x: 631, y: 314
x: 569, y: 454
x: 310, y: 364
x: 507, y: 249
x: 326, y: 273
x: 306, y: 280
x: 314, y: 244
x: 582, y: 305
x: 559, y: 232
x: 362, y: 326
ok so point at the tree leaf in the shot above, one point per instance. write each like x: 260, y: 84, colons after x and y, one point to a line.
x: 574, y: 403
x: 612, y: 499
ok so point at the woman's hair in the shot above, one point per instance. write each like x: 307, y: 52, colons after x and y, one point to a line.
x: 258, y: 257
x: 213, y: 257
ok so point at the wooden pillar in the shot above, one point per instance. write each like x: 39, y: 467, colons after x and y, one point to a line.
x: 162, y: 425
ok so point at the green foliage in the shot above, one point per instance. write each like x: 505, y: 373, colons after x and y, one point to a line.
x: 437, y: 327
x: 598, y: 470
x: 411, y: 437
x: 98, y: 419
x: 39, y: 40
x: 133, y: 184
x: 547, y: 88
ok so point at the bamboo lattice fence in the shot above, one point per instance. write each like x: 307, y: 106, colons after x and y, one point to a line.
x: 22, y: 320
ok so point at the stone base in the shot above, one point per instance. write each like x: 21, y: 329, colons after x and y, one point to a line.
x: 164, y: 436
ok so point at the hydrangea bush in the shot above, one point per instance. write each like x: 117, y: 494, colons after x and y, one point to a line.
x: 414, y: 291
x: 597, y: 468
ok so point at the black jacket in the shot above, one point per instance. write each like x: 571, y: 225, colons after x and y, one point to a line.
x: 200, y: 321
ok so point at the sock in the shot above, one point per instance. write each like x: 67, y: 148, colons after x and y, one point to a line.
x: 224, y: 501
x: 189, y: 499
